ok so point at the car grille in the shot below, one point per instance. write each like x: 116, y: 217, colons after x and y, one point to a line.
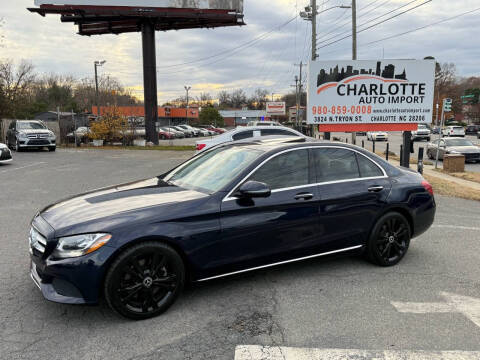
x: 472, y: 156
x: 37, y: 241
x: 37, y: 136
x: 38, y: 142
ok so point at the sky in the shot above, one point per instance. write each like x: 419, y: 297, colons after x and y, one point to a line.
x: 269, y: 62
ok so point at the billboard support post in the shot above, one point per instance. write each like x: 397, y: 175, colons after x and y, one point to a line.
x: 150, y: 81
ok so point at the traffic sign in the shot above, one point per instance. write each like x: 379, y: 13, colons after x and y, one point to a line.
x: 447, y: 105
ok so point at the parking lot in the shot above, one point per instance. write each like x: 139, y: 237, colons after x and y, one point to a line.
x: 430, y: 302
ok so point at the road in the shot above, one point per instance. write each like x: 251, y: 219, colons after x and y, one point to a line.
x: 341, y: 303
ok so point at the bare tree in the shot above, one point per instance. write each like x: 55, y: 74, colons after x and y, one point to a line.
x: 16, y: 86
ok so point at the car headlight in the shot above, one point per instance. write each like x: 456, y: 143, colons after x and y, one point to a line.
x: 22, y: 135
x: 453, y: 152
x: 79, y: 245
x: 51, y: 135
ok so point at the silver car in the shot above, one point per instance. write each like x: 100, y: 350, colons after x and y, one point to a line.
x: 23, y: 134
x: 453, y: 146
x: 5, y: 154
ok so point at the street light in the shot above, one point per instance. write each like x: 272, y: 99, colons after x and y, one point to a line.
x: 97, y: 64
x: 187, y: 89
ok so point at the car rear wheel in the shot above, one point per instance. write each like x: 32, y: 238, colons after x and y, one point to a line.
x: 144, y: 281
x: 389, y: 240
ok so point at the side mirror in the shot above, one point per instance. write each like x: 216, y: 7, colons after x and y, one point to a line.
x: 254, y: 189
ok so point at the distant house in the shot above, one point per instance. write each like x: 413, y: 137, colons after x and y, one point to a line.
x: 65, y: 117
x: 242, y: 117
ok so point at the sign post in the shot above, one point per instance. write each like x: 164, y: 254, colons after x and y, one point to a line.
x: 447, y: 106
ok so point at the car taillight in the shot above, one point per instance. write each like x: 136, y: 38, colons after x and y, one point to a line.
x: 427, y: 187
x: 200, y: 146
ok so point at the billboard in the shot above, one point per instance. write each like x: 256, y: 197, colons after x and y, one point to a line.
x: 371, y: 92
x: 276, y: 108
x: 188, y: 4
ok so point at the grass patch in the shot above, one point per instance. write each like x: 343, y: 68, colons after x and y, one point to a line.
x: 449, y: 188
x: 470, y: 176
x: 157, y: 148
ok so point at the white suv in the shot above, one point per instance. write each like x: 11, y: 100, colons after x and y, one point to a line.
x: 423, y: 133
x: 453, y: 131
x: 245, y: 133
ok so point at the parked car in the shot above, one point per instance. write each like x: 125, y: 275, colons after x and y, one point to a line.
x: 178, y: 134
x: 194, y: 131
x: 423, y: 133
x: 81, y: 134
x: 205, y: 132
x: 23, y: 134
x: 263, y: 123
x: 472, y: 129
x: 452, y: 131
x: 165, y: 135
x: 377, y: 136
x: 138, y: 244
x: 454, y: 146
x: 187, y: 133
x: 214, y: 129
x: 436, y: 130
x: 242, y: 133
x: 5, y: 154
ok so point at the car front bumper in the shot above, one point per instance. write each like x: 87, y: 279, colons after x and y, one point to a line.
x: 71, y: 281
x: 26, y: 143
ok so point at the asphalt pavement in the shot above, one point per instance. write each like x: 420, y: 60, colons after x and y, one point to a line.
x: 428, y: 304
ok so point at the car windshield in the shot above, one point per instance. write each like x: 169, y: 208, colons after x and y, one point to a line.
x: 213, y: 170
x: 458, y: 142
x: 26, y: 125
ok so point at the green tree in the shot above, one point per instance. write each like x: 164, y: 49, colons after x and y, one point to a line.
x: 210, y: 116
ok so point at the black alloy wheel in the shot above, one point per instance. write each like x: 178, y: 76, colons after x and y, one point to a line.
x: 389, y: 240
x: 144, y: 280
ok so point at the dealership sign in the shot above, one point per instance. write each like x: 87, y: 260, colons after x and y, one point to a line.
x: 276, y: 108
x: 371, y: 92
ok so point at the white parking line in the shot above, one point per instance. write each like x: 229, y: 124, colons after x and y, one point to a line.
x: 249, y: 352
x: 22, y: 167
x: 456, y: 227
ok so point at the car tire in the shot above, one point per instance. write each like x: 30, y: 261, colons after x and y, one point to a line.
x: 52, y: 148
x: 389, y: 240
x: 428, y: 139
x: 17, y: 146
x: 150, y: 274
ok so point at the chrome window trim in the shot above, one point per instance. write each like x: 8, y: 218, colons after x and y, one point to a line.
x: 281, y: 263
x: 229, y: 198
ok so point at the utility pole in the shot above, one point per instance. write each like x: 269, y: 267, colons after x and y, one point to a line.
x: 314, y: 29
x: 187, y: 88
x: 97, y: 64
x: 297, y: 101
x: 354, y: 48
x: 299, y: 87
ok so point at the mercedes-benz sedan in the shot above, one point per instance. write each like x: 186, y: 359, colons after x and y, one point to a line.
x: 235, y: 208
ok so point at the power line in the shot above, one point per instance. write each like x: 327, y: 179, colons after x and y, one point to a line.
x: 244, y: 45
x: 348, y: 21
x: 376, y: 24
x: 367, y: 22
x: 410, y: 31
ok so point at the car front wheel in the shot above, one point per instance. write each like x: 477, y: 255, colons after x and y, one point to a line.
x: 17, y: 146
x: 389, y: 240
x: 145, y: 280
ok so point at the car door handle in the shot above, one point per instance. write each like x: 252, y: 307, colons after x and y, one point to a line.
x: 304, y: 196
x: 375, y: 189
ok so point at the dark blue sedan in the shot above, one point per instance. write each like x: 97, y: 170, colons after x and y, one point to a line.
x: 232, y: 209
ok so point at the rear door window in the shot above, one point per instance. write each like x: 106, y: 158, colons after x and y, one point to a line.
x: 368, y: 168
x: 335, y: 164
